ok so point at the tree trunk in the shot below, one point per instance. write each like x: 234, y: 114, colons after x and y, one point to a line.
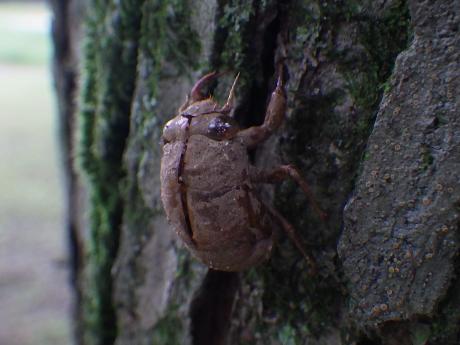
x: 66, y: 34
x: 372, y: 123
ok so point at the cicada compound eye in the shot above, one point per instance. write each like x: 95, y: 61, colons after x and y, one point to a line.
x: 222, y: 127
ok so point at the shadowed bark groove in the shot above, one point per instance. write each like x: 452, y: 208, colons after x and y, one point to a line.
x: 211, y: 308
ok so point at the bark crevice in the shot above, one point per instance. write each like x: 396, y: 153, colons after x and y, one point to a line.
x: 211, y: 308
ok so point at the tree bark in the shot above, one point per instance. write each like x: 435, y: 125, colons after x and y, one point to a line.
x: 372, y: 124
x: 66, y: 35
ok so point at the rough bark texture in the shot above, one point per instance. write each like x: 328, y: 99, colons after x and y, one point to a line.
x: 348, y: 64
x: 400, y: 241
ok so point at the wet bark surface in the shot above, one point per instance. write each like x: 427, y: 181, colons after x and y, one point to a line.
x: 348, y: 65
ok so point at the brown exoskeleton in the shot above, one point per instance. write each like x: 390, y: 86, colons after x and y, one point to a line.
x: 207, y: 182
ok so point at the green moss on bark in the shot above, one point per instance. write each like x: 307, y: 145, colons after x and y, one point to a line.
x: 244, y: 43
x: 337, y: 84
x: 113, y: 36
x: 169, y: 329
x: 109, y: 78
x: 169, y: 49
x: 122, y: 55
x: 167, y: 37
x: 383, y: 38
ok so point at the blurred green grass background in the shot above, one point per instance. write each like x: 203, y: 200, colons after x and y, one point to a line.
x: 34, y: 294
